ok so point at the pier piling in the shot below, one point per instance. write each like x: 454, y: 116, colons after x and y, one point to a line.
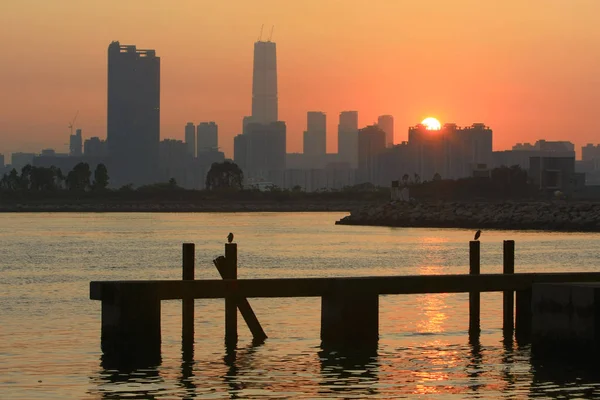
x: 187, y: 328
x: 231, y: 301
x: 349, y: 319
x: 508, y: 267
x: 474, y: 297
x: 131, y: 325
x: 523, y: 316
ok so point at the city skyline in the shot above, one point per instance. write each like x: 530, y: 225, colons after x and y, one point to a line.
x: 527, y: 80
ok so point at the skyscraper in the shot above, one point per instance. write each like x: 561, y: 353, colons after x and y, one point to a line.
x: 96, y: 148
x: 261, y: 149
x: 190, y: 139
x: 386, y: 124
x: 76, y: 144
x: 371, y: 144
x: 452, y: 152
x: 348, y: 137
x: 245, y: 122
x: 264, y: 83
x: 315, y: 136
x: 208, y: 137
x: 240, y: 151
x: 133, y: 115
x: 265, y: 148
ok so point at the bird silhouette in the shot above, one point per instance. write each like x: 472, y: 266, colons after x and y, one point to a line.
x: 477, y: 234
x: 230, y: 237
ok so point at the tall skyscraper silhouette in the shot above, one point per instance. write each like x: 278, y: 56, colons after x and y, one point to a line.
x: 264, y: 83
x: 261, y: 148
x: 133, y: 114
x: 315, y: 136
x: 386, y: 124
x: 190, y: 139
x: 348, y: 137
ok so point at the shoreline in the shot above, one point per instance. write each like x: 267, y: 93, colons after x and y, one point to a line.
x: 187, y: 207
x: 530, y: 215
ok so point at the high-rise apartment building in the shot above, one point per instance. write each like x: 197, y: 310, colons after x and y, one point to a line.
x: 264, y: 83
x: 96, y: 148
x: 207, y: 138
x: 521, y: 153
x: 240, y: 151
x: 348, y: 137
x: 133, y: 114
x: 190, y: 139
x: 19, y: 160
x: 2, y: 161
x: 590, y: 152
x: 315, y: 136
x: 371, y: 144
x: 452, y: 152
x: 76, y: 144
x: 545, y: 145
x: 265, y: 148
x: 386, y: 124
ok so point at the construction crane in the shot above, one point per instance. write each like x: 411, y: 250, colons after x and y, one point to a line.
x: 73, y: 122
x: 271, y: 35
x: 261, y: 30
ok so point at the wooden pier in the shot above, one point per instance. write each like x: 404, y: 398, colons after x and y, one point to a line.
x: 350, y: 306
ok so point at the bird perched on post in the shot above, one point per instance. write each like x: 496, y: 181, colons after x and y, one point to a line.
x: 477, y: 234
x: 230, y: 237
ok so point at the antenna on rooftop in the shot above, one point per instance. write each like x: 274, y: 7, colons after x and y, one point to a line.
x: 261, y: 30
x: 271, y: 35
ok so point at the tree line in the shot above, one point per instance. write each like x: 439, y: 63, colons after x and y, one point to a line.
x: 225, y: 180
x: 49, y: 179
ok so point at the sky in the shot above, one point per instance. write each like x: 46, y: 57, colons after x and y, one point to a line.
x: 528, y: 69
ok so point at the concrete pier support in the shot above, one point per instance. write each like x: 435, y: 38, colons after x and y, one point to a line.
x: 566, y: 318
x: 523, y: 316
x: 350, y: 319
x: 131, y: 326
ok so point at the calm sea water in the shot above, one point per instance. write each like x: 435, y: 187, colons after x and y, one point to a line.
x: 50, y: 330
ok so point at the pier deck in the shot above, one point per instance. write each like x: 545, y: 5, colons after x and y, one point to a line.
x: 318, y: 287
x: 349, y: 305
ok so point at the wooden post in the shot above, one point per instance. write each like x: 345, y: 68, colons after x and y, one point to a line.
x: 474, y: 297
x: 258, y: 334
x: 524, y: 316
x: 187, y: 328
x: 230, y: 301
x: 508, y: 296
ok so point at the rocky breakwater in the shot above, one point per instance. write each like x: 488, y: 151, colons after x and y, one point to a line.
x: 555, y: 216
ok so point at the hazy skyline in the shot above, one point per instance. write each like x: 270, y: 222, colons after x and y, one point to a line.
x: 529, y: 70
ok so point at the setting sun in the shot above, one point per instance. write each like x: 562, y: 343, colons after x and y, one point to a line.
x: 431, y: 123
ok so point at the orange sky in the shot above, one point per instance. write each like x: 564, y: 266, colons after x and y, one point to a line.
x: 529, y: 69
